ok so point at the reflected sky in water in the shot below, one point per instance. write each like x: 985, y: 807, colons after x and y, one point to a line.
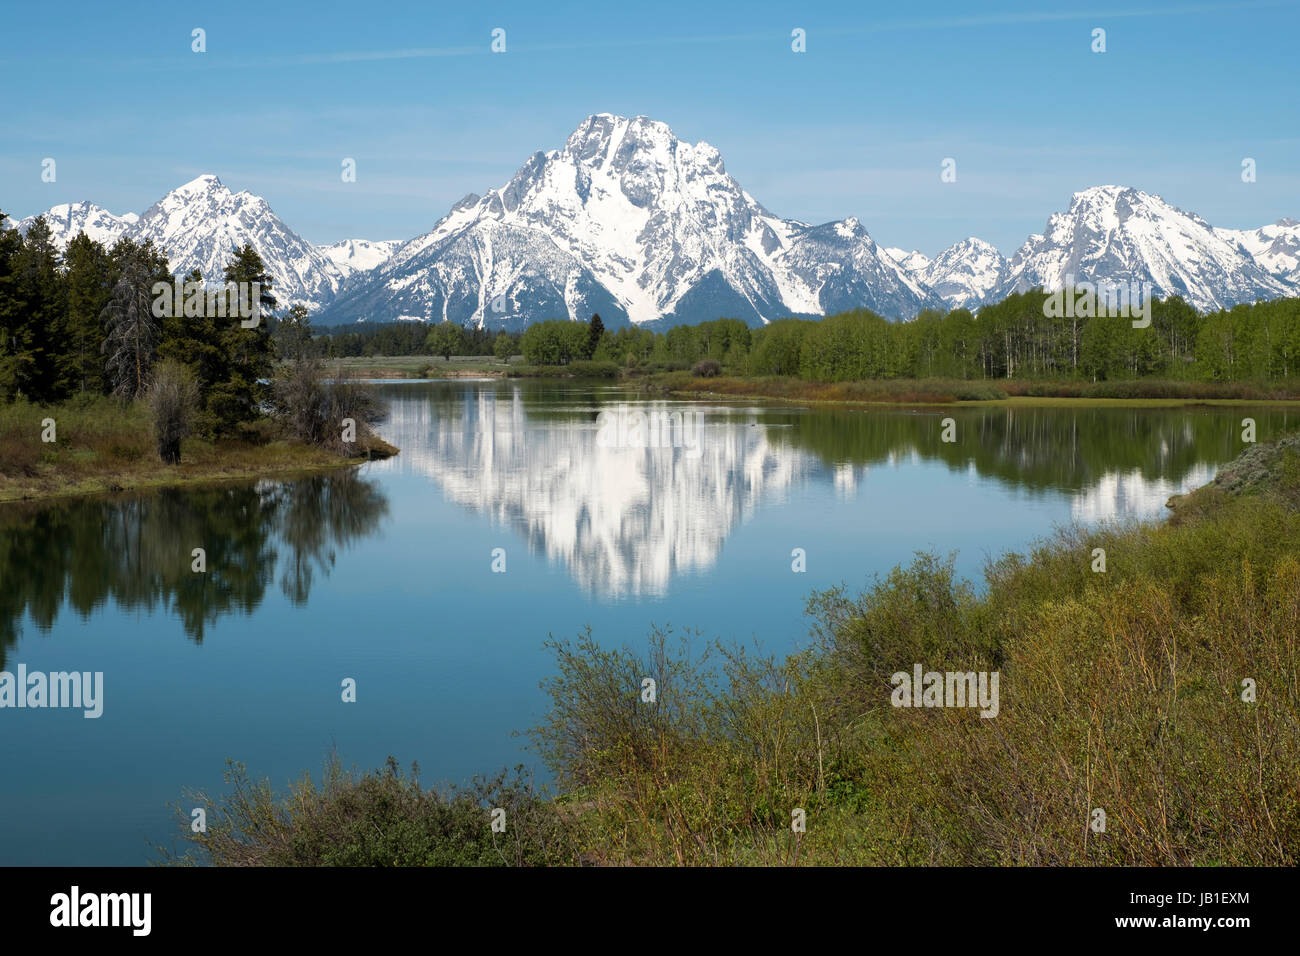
x: 384, y: 574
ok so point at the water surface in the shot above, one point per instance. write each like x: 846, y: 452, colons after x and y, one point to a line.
x: 384, y: 574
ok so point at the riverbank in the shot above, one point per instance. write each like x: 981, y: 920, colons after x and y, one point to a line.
x: 1144, y: 714
x: 104, y: 446
x: 419, y: 367
x: 685, y: 384
x: 961, y: 392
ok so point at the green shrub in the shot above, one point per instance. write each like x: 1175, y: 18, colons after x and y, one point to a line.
x: 381, y: 818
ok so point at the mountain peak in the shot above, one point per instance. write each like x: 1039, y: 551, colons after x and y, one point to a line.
x: 206, y: 179
x: 633, y: 222
x: 1123, y: 235
x: 67, y: 220
x: 1108, y: 193
x: 966, y: 272
x: 199, y: 185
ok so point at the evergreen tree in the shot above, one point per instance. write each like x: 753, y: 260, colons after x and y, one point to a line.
x: 88, y: 272
x: 15, y: 357
x: 248, y: 352
x: 595, y: 329
x: 44, y: 315
x: 195, y: 340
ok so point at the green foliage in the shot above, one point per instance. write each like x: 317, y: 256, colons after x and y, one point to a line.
x: 1120, y: 690
x: 89, y: 280
x: 445, y: 339
x: 503, y: 347
x: 292, y: 334
x: 583, y: 369
x: 555, y: 342
x: 247, y: 354
x: 595, y: 332
x: 381, y: 818
x: 777, y: 348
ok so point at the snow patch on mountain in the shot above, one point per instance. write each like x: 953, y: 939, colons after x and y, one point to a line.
x: 964, y: 274
x: 914, y: 262
x: 1275, y: 247
x: 202, y: 223
x: 68, y: 220
x: 628, y: 220
x: 359, y: 255
x: 1122, y: 235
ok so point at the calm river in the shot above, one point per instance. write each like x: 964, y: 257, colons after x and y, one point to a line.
x: 385, y: 574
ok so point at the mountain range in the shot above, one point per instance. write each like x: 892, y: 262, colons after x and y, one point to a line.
x: 629, y: 221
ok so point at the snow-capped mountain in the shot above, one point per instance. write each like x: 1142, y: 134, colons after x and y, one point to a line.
x: 631, y: 222
x: 964, y: 274
x: 1275, y: 247
x: 201, y: 223
x: 68, y: 220
x: 1122, y: 235
x: 914, y: 262
x: 359, y: 255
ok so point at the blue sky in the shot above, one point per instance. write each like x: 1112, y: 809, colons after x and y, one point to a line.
x: 856, y: 126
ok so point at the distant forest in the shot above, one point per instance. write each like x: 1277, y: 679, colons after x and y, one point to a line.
x: 1015, y: 338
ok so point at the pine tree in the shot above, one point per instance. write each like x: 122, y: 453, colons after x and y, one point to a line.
x: 14, y: 355
x: 196, y: 342
x: 87, y: 278
x: 44, y: 315
x: 595, y: 329
x: 246, y: 347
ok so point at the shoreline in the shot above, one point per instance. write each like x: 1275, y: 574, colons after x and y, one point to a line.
x: 112, y: 483
x: 904, y: 392
x: 1011, y: 401
x: 853, y: 394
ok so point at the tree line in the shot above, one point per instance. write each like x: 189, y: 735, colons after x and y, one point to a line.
x: 85, y: 322
x: 1018, y: 337
x: 91, y: 321
x: 82, y: 323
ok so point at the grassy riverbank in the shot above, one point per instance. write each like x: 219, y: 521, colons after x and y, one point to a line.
x: 1163, y: 692
x: 418, y: 366
x: 683, y: 383
x: 981, y: 391
x: 105, y: 445
x: 465, y: 366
